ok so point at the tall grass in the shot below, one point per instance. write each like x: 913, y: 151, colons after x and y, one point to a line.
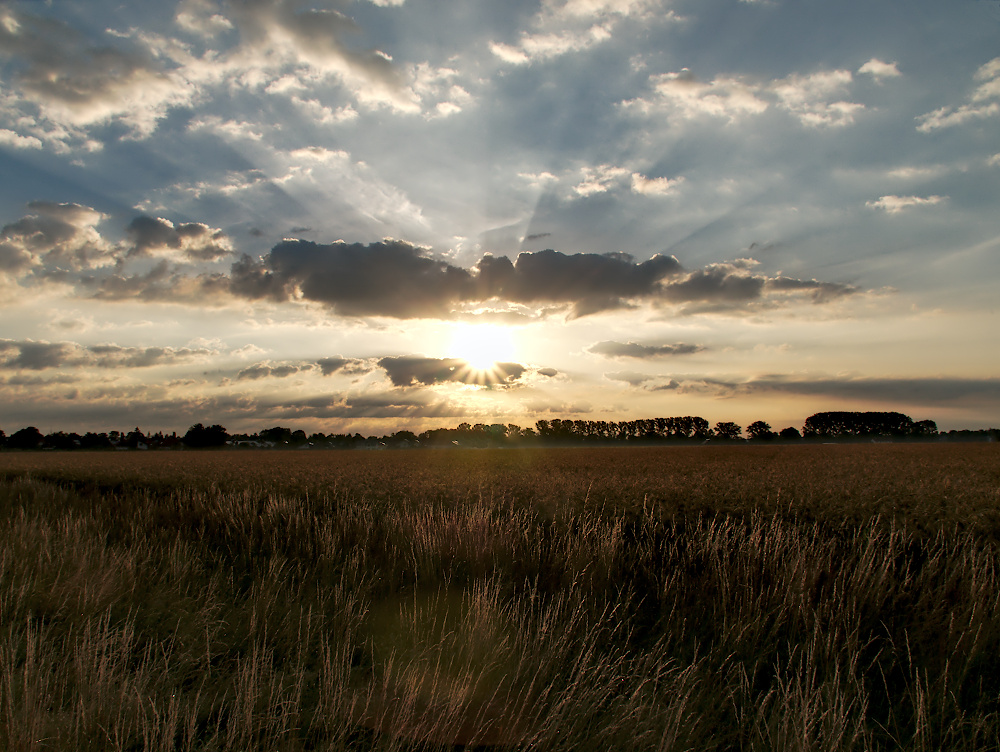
x: 210, y: 615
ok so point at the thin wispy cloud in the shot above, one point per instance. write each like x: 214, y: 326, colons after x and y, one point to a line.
x: 896, y: 204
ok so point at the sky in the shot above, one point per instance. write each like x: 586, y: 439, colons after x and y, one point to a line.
x: 380, y: 215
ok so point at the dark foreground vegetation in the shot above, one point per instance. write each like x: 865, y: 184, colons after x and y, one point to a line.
x: 713, y: 598
x: 688, y: 429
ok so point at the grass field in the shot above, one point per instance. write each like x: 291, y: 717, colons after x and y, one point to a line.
x: 704, y: 598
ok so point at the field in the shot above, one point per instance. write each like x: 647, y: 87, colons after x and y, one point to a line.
x: 690, y: 598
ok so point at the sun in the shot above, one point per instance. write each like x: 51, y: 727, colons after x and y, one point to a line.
x: 482, y: 345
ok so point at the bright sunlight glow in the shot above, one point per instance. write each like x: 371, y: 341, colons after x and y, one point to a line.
x: 482, y: 345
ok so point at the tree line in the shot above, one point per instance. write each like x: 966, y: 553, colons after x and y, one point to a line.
x: 825, y: 426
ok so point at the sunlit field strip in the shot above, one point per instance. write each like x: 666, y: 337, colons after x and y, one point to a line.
x: 947, y: 483
x: 691, y: 598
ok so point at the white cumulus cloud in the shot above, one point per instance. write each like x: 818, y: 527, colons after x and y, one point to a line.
x: 654, y: 186
x: 878, y: 69
x: 17, y: 141
x: 813, y: 99
x: 978, y: 107
x: 896, y: 204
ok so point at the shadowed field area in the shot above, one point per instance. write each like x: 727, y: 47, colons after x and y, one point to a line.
x: 809, y: 597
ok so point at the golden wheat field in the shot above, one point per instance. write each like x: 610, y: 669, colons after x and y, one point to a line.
x: 811, y: 597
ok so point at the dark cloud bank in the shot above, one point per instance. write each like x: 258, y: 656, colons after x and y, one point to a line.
x: 394, y: 278
x: 390, y: 278
x: 199, y: 242
x: 37, y: 356
x: 419, y: 371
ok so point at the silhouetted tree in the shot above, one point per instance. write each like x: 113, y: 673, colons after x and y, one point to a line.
x: 135, y: 438
x: 26, y: 438
x: 61, y: 440
x: 278, y: 435
x: 760, y: 431
x: 95, y: 441
x: 789, y: 434
x: 199, y: 437
x: 727, y: 430
x: 402, y: 438
x: 857, y: 424
x: 699, y: 427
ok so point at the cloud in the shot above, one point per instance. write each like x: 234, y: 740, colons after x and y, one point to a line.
x: 415, y: 370
x: 598, y: 8
x: 202, y: 18
x: 65, y: 83
x: 725, y: 282
x: 680, y: 91
x: 314, y: 37
x: 394, y: 278
x: 544, y: 407
x: 542, y: 46
x: 603, y: 178
x: 34, y: 356
x: 39, y: 381
x: 191, y: 241
x: 228, y: 129
x: 612, y: 349
x: 39, y: 355
x: 599, y: 179
x: 913, y: 391
x: 395, y: 405
x: 731, y: 285
x: 654, y: 186
x: 391, y: 278
x: 266, y: 369
x: 564, y: 26
x: 17, y: 141
x: 819, y: 292
x: 947, y: 117
x: 812, y: 99
x: 589, y: 282
x: 637, y: 380
x: 161, y: 284
x: 879, y: 70
x: 52, y: 237
x: 351, y: 366
x: 249, y: 351
x: 78, y: 83
x: 116, y: 356
x: 808, y: 97
x: 329, y: 366
x: 896, y: 204
x: 978, y: 107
